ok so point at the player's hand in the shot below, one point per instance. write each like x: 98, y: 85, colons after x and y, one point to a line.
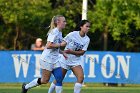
x: 68, y: 51
x: 65, y: 55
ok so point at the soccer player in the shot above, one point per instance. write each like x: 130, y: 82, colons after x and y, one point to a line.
x: 49, y: 58
x: 76, y: 45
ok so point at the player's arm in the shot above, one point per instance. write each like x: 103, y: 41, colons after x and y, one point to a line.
x: 77, y: 53
x: 51, y: 45
x: 50, y: 40
x: 63, y: 53
x: 63, y: 43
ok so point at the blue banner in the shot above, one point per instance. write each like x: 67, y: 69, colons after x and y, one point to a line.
x: 110, y: 67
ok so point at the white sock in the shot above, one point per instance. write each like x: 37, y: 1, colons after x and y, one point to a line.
x: 77, y: 87
x: 32, y: 84
x: 58, y: 89
x: 52, y: 88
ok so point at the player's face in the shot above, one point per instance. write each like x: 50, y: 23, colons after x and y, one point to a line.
x: 62, y: 22
x: 85, y: 27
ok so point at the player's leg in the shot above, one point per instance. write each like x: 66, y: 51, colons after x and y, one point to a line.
x: 52, y: 87
x: 38, y: 81
x: 46, y: 73
x: 53, y: 84
x: 78, y: 72
x: 61, y: 63
x: 59, y: 74
x: 82, y: 64
x: 58, y: 77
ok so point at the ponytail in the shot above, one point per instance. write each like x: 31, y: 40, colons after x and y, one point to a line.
x: 53, y: 23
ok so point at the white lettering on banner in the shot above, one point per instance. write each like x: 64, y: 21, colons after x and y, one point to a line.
x: 104, y: 68
x: 21, y: 59
x: 124, y: 64
x: 108, y: 64
x: 37, y: 65
x: 93, y: 59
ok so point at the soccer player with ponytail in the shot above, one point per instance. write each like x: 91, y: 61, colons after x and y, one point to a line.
x: 49, y: 59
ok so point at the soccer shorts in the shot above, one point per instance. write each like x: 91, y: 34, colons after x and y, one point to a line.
x: 66, y: 64
x: 49, y: 66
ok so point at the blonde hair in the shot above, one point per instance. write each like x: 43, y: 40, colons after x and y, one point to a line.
x: 53, y: 23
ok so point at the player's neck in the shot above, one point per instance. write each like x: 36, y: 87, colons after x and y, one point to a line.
x: 81, y: 34
x: 60, y: 29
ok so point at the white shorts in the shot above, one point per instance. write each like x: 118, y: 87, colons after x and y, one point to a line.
x: 49, y: 66
x: 65, y: 63
x: 62, y: 61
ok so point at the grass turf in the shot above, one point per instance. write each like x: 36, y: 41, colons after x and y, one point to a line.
x: 68, y: 88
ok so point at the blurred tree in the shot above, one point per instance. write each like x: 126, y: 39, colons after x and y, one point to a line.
x: 71, y: 9
x: 118, y: 18
x: 23, y: 20
x: 115, y: 23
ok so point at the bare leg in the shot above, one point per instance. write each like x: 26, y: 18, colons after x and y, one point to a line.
x: 38, y: 81
x: 78, y: 72
x: 44, y: 79
x: 46, y: 74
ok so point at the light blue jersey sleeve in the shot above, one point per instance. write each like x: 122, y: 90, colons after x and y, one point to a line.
x: 51, y: 36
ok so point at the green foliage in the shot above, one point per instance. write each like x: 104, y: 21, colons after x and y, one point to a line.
x: 23, y: 19
x: 116, y: 17
x: 113, y: 22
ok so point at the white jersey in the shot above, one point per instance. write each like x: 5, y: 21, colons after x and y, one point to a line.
x: 51, y: 55
x: 75, y: 42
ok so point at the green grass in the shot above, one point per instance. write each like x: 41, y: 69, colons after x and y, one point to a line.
x: 68, y: 88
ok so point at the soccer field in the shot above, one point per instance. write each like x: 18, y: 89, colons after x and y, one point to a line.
x: 68, y: 88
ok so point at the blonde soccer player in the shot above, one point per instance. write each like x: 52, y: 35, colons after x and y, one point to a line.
x: 49, y: 59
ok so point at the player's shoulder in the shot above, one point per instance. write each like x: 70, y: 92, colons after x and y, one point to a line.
x: 54, y: 31
x: 73, y: 33
x: 87, y: 38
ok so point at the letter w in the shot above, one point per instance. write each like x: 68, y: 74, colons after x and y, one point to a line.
x: 21, y: 59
